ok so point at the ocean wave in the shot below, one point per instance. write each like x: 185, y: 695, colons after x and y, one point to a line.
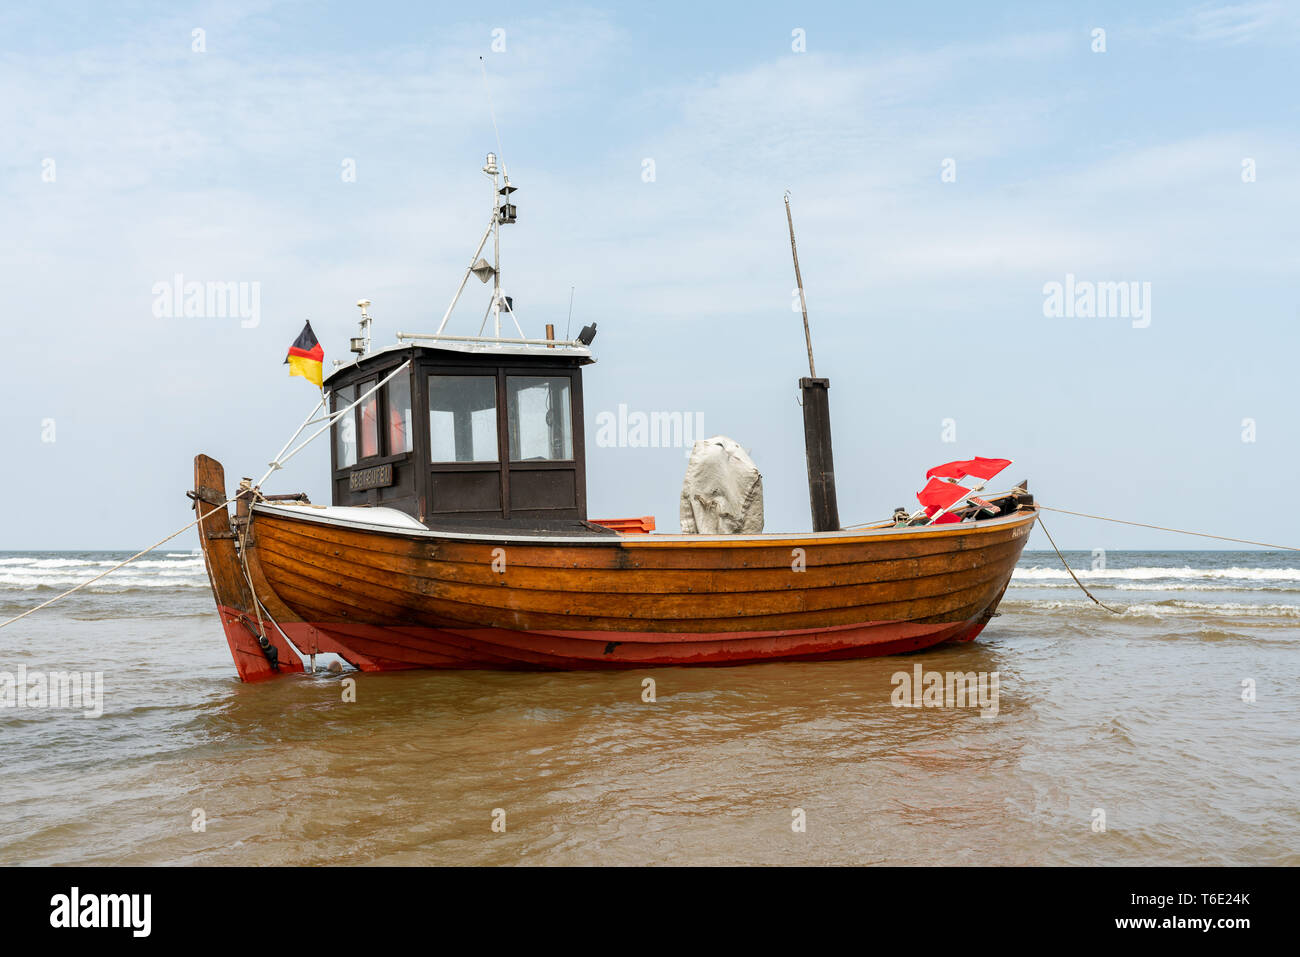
x: 48, y: 562
x: 108, y: 583
x: 1154, y: 572
x: 1161, y: 609
x: 1229, y: 607
x: 1157, y: 587
x: 187, y: 562
x: 34, y: 572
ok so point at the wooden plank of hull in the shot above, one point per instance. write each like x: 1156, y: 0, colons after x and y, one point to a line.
x: 385, y: 600
x: 864, y: 566
x: 650, y: 551
x: 327, y: 603
x: 581, y: 599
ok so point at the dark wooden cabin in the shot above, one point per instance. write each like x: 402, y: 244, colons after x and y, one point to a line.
x: 465, y: 434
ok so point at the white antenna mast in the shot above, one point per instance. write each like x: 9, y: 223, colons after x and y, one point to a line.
x: 493, y: 113
x: 503, y: 212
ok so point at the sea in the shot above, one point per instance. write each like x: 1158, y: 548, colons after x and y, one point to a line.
x: 1162, y: 731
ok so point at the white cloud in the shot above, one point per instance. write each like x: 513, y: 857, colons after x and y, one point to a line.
x: 1238, y: 23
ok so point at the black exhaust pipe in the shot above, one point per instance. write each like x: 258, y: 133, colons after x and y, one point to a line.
x: 821, y: 460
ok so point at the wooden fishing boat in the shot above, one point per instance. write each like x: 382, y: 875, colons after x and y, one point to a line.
x: 368, y: 585
x: 458, y: 537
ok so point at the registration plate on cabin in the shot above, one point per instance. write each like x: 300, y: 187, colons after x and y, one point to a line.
x: 377, y: 476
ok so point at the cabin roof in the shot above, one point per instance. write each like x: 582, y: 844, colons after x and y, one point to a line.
x: 454, y: 350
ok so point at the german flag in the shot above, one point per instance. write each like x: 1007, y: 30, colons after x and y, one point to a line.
x: 306, y: 356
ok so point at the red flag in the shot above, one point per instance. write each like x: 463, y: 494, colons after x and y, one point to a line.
x: 978, y: 467
x: 939, y: 494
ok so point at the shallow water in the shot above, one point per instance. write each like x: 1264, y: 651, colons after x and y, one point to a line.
x: 1139, y: 716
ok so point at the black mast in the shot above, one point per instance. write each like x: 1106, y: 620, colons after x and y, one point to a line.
x: 816, y: 420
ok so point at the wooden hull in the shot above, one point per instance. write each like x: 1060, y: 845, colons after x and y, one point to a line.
x: 386, y: 598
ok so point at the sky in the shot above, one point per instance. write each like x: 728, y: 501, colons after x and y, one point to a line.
x: 946, y: 164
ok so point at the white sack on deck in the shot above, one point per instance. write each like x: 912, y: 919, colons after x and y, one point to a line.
x: 723, y: 490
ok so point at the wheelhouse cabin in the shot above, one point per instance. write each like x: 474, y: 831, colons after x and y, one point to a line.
x: 471, y: 432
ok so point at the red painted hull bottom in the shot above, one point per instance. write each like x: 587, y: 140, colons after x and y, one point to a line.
x: 250, y: 661
x: 397, y: 647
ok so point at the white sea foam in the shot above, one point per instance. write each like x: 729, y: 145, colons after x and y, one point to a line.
x: 28, y: 573
x: 1171, y: 608
x: 1225, y: 586
x: 49, y: 562
x: 1148, y: 572
x: 109, y: 583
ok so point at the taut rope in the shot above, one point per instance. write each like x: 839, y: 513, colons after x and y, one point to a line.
x: 118, y: 565
x: 276, y: 464
x: 1162, y: 528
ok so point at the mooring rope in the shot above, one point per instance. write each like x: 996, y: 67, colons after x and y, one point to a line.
x: 110, y: 571
x: 1177, y: 531
x: 1081, y: 585
x: 1159, y: 528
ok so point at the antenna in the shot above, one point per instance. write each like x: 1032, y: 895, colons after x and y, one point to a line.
x: 504, y: 213
x: 493, y: 113
x: 570, y: 321
x: 812, y: 369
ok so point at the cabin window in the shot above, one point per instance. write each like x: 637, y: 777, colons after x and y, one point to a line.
x: 541, y: 419
x: 399, y: 415
x: 369, y: 415
x: 345, y: 429
x: 462, y: 418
